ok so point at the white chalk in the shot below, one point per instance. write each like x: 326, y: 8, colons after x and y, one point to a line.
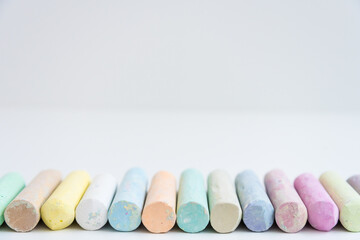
x: 91, y: 213
x: 225, y: 211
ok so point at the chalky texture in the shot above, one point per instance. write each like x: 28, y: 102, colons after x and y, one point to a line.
x: 290, y: 211
x: 323, y: 214
x: 345, y: 197
x: 125, y: 211
x: 23, y: 213
x: 11, y: 185
x: 224, y: 206
x: 159, y: 212
x: 58, y: 212
x: 192, y: 206
x: 258, y: 212
x: 354, y: 182
x: 91, y: 213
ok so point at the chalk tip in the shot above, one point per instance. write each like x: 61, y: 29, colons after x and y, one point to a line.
x: 350, y: 216
x: 124, y: 216
x: 291, y: 217
x: 57, y: 215
x: 21, y: 216
x: 323, y: 215
x: 158, y: 217
x: 192, y: 217
x: 225, y: 217
x: 91, y: 214
x: 258, y: 216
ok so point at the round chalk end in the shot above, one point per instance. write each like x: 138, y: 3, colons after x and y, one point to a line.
x: 291, y: 217
x: 350, y: 216
x: 91, y: 214
x: 124, y: 216
x: 192, y: 217
x: 57, y: 215
x: 21, y: 216
x: 323, y: 215
x: 259, y: 216
x: 158, y: 217
x: 225, y: 217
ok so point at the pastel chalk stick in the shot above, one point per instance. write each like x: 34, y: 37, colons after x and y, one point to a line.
x: 192, y: 208
x: 258, y: 212
x: 125, y: 211
x: 58, y: 212
x: 224, y: 206
x: 345, y: 197
x: 11, y: 185
x: 159, y: 211
x: 23, y: 213
x: 323, y: 214
x: 91, y: 212
x: 354, y: 181
x: 290, y: 211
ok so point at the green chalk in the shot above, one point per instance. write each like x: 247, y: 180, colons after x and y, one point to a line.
x: 11, y: 185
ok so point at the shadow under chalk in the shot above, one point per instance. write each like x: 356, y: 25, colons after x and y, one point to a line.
x: 74, y: 227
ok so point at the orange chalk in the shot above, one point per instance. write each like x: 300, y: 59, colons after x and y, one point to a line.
x: 159, y: 212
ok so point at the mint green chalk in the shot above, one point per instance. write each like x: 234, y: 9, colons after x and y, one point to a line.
x: 192, y: 207
x: 11, y: 185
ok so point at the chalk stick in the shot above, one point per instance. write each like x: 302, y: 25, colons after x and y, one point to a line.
x: 159, y: 212
x: 23, y: 213
x: 258, y: 212
x: 125, y: 211
x: 354, y: 181
x: 11, y: 185
x: 323, y: 214
x: 224, y: 206
x: 345, y: 197
x: 91, y: 212
x: 192, y: 208
x: 290, y: 211
x: 58, y: 212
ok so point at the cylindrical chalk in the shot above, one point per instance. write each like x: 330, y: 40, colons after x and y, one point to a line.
x: 290, y: 211
x: 354, y: 181
x: 159, y: 211
x: 323, y: 214
x: 258, y: 212
x: 58, y: 212
x: 192, y: 207
x: 91, y: 213
x: 224, y: 206
x: 10, y: 186
x: 23, y: 213
x: 345, y: 197
x: 125, y: 211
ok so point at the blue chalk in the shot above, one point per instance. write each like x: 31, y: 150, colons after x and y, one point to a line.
x: 258, y: 212
x: 192, y: 206
x: 126, y: 207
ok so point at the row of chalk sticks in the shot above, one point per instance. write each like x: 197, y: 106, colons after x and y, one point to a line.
x: 321, y: 201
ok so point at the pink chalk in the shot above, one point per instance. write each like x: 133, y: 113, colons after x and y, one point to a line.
x: 290, y: 211
x: 322, y: 210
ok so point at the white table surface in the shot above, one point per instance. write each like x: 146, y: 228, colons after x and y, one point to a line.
x: 113, y: 141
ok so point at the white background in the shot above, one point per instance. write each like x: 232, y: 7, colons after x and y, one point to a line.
x: 107, y: 85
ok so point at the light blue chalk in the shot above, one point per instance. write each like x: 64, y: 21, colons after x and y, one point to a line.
x: 258, y: 212
x: 192, y: 206
x: 125, y: 211
x: 11, y: 185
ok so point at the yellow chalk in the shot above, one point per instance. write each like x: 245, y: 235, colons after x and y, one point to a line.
x: 345, y: 197
x: 58, y: 212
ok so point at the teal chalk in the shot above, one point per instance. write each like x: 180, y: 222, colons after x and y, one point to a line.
x: 11, y: 185
x: 125, y: 211
x: 192, y: 206
x: 258, y: 212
